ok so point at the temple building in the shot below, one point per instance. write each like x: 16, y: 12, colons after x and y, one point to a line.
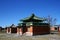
x: 32, y: 25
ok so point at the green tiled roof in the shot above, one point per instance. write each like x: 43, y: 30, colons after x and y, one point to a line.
x: 33, y: 17
x: 33, y: 23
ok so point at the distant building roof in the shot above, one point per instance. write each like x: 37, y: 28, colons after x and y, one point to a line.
x: 56, y: 25
x: 12, y: 25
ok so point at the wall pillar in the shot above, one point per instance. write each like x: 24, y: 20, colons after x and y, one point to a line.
x: 20, y: 31
x: 59, y: 29
x: 7, y: 30
x: 10, y: 30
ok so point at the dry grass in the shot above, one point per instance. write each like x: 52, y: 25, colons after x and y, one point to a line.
x: 26, y: 38
x: 18, y: 37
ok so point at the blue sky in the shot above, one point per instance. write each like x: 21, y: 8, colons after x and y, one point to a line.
x: 11, y: 11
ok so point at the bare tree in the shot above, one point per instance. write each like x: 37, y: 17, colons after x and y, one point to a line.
x: 54, y: 21
x: 51, y: 21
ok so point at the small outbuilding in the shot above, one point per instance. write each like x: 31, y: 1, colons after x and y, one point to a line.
x: 55, y: 28
x: 12, y: 29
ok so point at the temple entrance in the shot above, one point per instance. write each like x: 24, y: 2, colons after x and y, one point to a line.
x: 24, y: 29
x: 13, y: 30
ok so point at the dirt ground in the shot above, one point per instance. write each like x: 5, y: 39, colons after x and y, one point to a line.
x: 38, y: 37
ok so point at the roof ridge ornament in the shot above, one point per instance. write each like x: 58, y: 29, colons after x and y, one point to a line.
x: 33, y: 14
